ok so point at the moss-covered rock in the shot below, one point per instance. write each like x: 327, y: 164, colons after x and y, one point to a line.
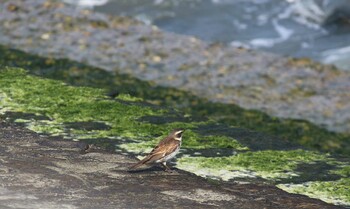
x: 130, y: 88
x: 85, y: 113
x: 269, y: 164
x: 63, y: 105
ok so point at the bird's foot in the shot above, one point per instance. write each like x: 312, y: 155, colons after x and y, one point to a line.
x: 166, y: 168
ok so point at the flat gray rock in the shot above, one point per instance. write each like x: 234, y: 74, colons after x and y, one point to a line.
x: 42, y: 172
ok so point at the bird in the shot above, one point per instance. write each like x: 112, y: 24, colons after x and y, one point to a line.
x: 164, y: 151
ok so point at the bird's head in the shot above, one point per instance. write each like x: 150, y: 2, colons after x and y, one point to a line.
x: 177, y: 134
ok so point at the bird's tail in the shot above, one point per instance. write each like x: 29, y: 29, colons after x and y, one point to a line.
x: 140, y: 163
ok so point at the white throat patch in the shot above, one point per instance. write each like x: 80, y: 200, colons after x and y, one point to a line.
x: 179, y: 139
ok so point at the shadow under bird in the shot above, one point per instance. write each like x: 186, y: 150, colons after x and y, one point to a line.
x: 164, y: 151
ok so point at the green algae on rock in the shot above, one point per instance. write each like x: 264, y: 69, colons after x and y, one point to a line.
x: 130, y: 89
x: 335, y: 192
x: 269, y: 164
x: 64, y: 104
x: 217, y: 141
x: 274, y: 166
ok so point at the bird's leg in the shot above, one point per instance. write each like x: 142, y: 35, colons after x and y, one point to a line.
x: 167, y: 168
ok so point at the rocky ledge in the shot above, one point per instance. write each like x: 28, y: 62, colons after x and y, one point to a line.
x: 45, y: 172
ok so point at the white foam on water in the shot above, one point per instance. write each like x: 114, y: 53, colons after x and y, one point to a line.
x: 283, y: 32
x: 333, y: 55
x: 338, y: 57
x: 87, y: 3
x: 156, y: 2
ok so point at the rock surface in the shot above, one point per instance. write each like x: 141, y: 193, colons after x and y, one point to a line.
x: 42, y: 172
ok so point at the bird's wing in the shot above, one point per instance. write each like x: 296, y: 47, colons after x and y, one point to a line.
x: 164, y: 148
x: 155, y: 155
x: 161, y: 150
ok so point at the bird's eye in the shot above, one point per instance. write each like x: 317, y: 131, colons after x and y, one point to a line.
x: 179, y: 135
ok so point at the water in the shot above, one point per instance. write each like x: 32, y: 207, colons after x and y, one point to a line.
x: 285, y: 27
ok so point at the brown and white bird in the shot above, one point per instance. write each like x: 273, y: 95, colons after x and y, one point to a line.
x: 164, y: 151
